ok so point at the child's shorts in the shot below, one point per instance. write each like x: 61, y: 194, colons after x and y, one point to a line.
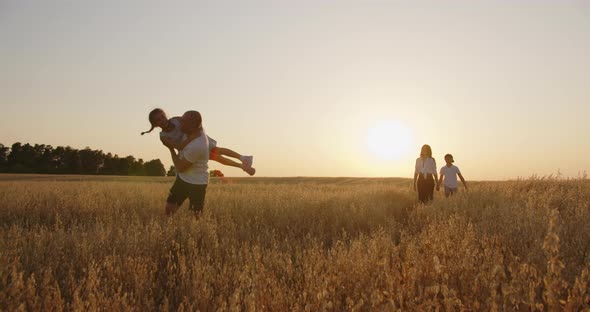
x: 450, y: 190
x: 214, y: 153
x: 212, y: 144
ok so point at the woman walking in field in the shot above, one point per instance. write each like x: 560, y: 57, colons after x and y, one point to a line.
x: 425, y: 175
x: 172, y: 135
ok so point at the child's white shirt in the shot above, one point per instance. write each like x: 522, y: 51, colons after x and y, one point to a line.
x: 450, y: 174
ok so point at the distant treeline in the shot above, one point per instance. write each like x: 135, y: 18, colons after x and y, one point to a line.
x: 26, y: 158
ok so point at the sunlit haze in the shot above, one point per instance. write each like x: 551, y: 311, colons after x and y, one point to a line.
x: 310, y: 88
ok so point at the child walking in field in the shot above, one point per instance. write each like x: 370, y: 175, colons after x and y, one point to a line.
x: 172, y: 135
x: 450, y: 173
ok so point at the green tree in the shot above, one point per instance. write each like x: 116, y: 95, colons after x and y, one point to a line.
x: 4, y: 150
x: 41, y: 158
x: 91, y: 160
x: 21, y: 158
x: 136, y: 166
x: 171, y: 172
x: 154, y: 168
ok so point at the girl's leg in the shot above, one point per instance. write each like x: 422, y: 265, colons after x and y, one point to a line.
x: 228, y: 152
x: 226, y: 161
x: 246, y: 160
x: 216, y: 154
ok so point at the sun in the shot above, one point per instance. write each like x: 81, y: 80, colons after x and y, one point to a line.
x: 389, y: 140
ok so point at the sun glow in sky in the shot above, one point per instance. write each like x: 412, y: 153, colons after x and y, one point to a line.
x: 310, y: 88
x: 389, y: 140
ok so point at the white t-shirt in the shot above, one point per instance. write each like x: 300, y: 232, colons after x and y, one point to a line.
x: 425, y: 166
x: 450, y: 174
x: 175, y: 134
x: 196, y: 152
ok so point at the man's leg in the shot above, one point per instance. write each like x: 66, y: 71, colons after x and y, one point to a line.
x: 178, y: 194
x: 171, y: 208
x: 197, y: 198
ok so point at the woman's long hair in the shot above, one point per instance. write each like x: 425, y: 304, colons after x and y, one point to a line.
x: 426, y: 151
x: 151, y: 117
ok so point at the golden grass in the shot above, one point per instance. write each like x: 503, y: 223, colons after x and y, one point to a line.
x: 293, y: 244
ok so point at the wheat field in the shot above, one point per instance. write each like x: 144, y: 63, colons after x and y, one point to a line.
x: 298, y: 244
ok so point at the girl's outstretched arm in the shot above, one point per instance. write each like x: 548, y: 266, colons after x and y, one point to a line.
x: 169, y: 143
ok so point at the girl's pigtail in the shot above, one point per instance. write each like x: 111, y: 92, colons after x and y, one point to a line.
x: 152, y: 128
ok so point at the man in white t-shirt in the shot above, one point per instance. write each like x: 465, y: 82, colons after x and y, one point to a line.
x: 191, y: 165
x: 450, y: 173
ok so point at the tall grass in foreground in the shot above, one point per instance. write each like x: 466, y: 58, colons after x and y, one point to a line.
x: 302, y: 247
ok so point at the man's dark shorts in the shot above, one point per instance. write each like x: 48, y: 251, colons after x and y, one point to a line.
x: 182, y: 190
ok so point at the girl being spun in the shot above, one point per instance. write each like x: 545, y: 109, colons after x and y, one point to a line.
x: 172, y: 135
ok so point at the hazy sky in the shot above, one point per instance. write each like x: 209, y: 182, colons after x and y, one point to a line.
x: 310, y: 88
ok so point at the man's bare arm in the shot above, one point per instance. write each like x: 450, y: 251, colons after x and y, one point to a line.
x: 181, y: 165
